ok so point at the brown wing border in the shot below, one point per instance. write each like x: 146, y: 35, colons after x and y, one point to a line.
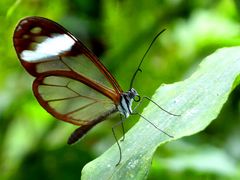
x: 40, y: 81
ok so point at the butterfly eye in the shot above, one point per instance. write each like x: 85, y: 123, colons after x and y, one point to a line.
x: 137, y: 98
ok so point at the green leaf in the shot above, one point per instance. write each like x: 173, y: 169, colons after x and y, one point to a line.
x: 198, y: 99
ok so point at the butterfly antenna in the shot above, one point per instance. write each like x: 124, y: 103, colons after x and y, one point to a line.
x: 138, y: 68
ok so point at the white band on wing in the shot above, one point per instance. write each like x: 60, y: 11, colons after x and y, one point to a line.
x: 50, y: 47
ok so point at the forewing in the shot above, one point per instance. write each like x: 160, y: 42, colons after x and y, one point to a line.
x: 70, y: 83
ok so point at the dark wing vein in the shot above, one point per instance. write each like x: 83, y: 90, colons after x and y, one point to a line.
x: 81, y: 108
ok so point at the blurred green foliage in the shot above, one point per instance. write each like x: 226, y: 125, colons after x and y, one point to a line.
x: 33, y: 144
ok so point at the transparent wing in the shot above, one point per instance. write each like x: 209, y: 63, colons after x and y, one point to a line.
x: 71, y: 83
x: 71, y: 100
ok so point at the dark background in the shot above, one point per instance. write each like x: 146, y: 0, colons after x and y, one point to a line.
x: 33, y: 144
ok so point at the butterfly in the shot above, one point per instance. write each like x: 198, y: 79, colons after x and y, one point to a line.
x: 70, y: 81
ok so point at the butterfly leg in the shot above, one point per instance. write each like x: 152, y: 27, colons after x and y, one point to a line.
x: 136, y: 113
x: 145, y: 97
x: 115, y: 137
x: 123, y: 129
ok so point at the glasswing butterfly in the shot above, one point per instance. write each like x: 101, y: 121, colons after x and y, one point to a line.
x: 70, y: 81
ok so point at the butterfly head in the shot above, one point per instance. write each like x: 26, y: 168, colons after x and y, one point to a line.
x: 125, y: 106
x: 133, y: 94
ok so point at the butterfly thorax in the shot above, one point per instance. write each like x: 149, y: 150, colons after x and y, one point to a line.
x: 125, y: 105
